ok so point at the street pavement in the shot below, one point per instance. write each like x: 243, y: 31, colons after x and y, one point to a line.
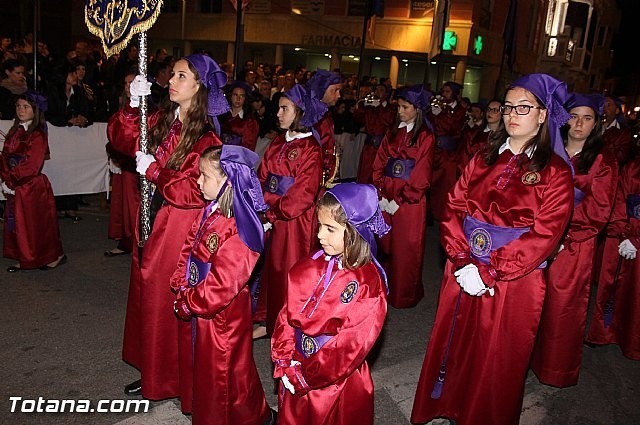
x: 62, y: 333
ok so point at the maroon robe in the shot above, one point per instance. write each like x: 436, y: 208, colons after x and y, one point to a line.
x: 473, y: 140
x: 619, y: 141
x: 558, y: 351
x: 151, y: 330
x: 291, y: 214
x: 325, y: 130
x: 403, y: 246
x: 493, y: 337
x: 447, y: 124
x: 219, y: 379
x: 351, y: 313
x: 31, y: 235
x: 620, y: 293
x: 376, y: 122
x: 246, y: 128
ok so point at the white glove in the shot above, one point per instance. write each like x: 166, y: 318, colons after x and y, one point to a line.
x: 384, y: 204
x: 626, y: 249
x: 6, y: 190
x: 143, y: 160
x: 138, y: 87
x: 287, y: 384
x: 113, y: 167
x: 469, y: 279
x: 267, y: 226
x: 393, y: 207
x: 435, y: 110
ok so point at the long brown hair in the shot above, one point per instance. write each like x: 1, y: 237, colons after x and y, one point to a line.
x: 295, y: 125
x: 193, y: 127
x: 38, y: 122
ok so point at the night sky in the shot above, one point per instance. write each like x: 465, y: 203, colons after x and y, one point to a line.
x: 626, y: 41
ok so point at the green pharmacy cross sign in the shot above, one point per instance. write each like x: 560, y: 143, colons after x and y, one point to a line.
x: 478, y: 44
x: 450, y: 40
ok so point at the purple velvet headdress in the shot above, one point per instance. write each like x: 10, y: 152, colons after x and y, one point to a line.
x: 552, y: 94
x: 321, y: 80
x: 456, y: 88
x: 416, y: 95
x: 214, y: 79
x: 239, y: 164
x: 594, y: 101
x: 38, y: 99
x: 241, y: 84
x: 313, y: 108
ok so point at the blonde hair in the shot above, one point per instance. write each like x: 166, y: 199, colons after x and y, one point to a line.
x: 225, y: 200
x: 357, y: 251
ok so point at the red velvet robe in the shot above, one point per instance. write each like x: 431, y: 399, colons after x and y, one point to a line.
x: 324, y: 127
x: 558, y: 351
x: 352, y: 311
x: 448, y: 123
x: 403, y: 246
x: 624, y: 295
x: 32, y: 236
x: 151, y: 330
x: 619, y: 141
x: 219, y: 379
x: 376, y: 122
x: 247, y: 128
x: 493, y: 336
x: 473, y: 140
x: 292, y: 214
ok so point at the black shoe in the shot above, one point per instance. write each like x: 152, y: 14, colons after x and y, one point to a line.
x: 62, y: 261
x: 134, y: 388
x: 13, y: 269
x: 115, y: 254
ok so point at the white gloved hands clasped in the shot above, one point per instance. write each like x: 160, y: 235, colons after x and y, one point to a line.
x: 627, y: 250
x: 6, y: 190
x: 143, y: 160
x: 393, y: 207
x: 469, y: 279
x: 285, y: 380
x: 139, y: 87
x: 267, y: 226
x: 436, y: 110
x: 113, y: 167
x: 384, y: 203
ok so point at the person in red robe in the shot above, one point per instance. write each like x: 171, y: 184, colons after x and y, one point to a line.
x: 334, y: 311
x: 476, y: 138
x: 290, y: 173
x: 448, y: 118
x: 238, y: 126
x: 618, y: 138
x: 178, y: 135
x: 377, y: 118
x: 220, y: 381
x: 402, y: 174
x: 505, y: 216
x: 558, y: 350
x: 125, y: 189
x: 326, y: 85
x: 31, y: 235
x: 616, y: 314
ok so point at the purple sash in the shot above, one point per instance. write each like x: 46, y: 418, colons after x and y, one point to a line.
x: 14, y: 160
x: 484, y: 238
x: 447, y: 143
x: 633, y: 206
x: 578, y: 196
x: 11, y: 213
x: 374, y: 139
x: 309, y: 345
x: 231, y: 139
x: 196, y: 270
x: 399, y: 168
x: 278, y: 184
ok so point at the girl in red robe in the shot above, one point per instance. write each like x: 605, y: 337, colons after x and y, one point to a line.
x: 238, y: 126
x: 402, y: 174
x: 220, y: 380
x: 290, y: 173
x: 558, y: 350
x: 31, y: 234
x: 333, y: 315
x: 505, y: 216
x: 178, y: 135
x: 616, y: 316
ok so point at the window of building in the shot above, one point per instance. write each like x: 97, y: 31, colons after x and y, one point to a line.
x: 602, y: 36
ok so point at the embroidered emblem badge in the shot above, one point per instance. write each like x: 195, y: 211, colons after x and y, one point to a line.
x: 480, y: 242
x: 293, y: 155
x: 349, y: 292
x: 309, y: 345
x: 636, y: 211
x: 530, y: 177
x: 272, y: 185
x: 398, y: 168
x: 194, y: 275
x: 212, y: 242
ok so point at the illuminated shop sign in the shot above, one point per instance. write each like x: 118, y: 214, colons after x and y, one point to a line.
x: 331, y: 40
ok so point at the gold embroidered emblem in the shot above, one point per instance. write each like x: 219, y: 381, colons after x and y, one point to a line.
x: 293, y: 155
x: 212, y: 242
x: 530, y: 177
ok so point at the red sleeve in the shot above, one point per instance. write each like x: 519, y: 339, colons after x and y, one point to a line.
x: 629, y: 185
x: 32, y: 163
x: 282, y: 343
x: 123, y: 129
x: 179, y: 277
x: 250, y: 134
x: 382, y: 157
x: 420, y: 179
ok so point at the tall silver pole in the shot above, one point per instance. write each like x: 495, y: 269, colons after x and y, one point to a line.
x: 145, y: 185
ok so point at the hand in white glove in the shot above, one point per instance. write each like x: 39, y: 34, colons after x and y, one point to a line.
x: 627, y: 250
x: 436, y: 110
x: 267, y: 226
x: 139, y: 87
x: 113, y: 167
x: 384, y: 204
x: 393, y: 207
x: 143, y: 160
x: 6, y: 190
x: 469, y: 279
x: 287, y: 384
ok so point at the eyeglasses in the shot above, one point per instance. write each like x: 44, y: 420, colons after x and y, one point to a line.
x: 493, y: 109
x: 520, y: 109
